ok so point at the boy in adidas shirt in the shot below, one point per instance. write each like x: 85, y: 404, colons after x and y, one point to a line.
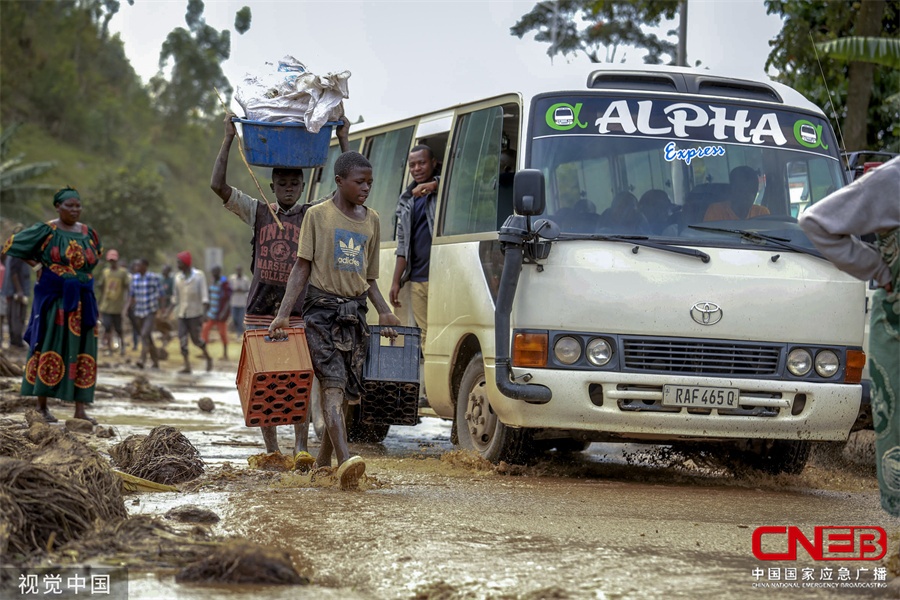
x: 338, y: 257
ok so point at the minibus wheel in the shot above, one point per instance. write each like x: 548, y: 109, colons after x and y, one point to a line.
x: 776, y: 456
x: 478, y: 426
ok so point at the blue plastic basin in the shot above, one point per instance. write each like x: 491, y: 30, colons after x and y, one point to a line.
x: 287, y: 145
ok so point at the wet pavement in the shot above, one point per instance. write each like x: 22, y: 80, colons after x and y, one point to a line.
x: 612, y: 522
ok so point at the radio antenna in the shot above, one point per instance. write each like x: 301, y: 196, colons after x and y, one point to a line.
x: 828, y: 91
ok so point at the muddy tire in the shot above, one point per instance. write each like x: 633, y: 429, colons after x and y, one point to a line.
x: 776, y: 456
x: 479, y: 428
x: 356, y: 431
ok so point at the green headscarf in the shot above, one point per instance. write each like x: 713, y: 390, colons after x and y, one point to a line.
x: 64, y: 194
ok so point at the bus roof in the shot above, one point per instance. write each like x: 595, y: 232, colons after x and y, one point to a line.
x: 702, y: 83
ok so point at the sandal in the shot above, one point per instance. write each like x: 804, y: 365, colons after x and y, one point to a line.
x: 350, y: 471
x: 88, y: 418
x: 303, y: 461
x: 48, y: 416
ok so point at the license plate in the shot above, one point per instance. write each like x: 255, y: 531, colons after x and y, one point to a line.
x: 702, y: 397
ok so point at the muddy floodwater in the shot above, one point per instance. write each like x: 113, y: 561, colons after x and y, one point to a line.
x: 615, y: 521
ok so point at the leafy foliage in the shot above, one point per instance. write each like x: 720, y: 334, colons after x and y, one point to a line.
x: 807, y: 22
x: 599, y: 28
x: 83, y: 108
x: 882, y: 51
x: 19, y: 194
x: 49, y: 71
x: 196, y: 54
x: 132, y: 214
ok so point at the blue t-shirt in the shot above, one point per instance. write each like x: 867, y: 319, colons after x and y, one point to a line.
x: 420, y: 247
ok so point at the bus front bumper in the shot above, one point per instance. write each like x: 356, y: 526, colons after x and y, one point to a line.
x: 631, y: 405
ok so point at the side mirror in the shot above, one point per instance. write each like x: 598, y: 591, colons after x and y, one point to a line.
x: 528, y: 192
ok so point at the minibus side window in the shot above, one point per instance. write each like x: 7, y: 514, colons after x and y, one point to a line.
x: 324, y: 176
x: 472, y: 175
x: 388, y: 153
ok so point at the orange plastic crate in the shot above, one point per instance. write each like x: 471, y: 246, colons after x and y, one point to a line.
x: 274, y: 378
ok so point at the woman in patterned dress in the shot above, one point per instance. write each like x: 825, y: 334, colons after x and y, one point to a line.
x: 62, y: 341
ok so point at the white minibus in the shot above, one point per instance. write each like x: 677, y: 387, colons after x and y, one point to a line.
x: 641, y: 277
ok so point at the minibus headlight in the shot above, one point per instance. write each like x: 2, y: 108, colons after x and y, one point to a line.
x: 599, y: 352
x: 827, y: 363
x: 799, y: 362
x: 567, y: 350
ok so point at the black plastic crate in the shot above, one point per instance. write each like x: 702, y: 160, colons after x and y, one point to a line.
x: 391, y: 379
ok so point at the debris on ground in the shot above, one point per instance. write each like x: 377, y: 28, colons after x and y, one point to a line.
x: 191, y: 513
x: 9, y: 367
x: 141, y: 389
x: 79, y: 426
x: 11, y: 401
x: 243, y: 562
x: 130, y: 483
x: 165, y: 456
x: 206, y: 404
x: 272, y: 461
x: 467, y: 459
x: 140, y: 541
x: 53, y: 488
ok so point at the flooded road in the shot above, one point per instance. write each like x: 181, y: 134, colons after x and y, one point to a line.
x: 433, y: 522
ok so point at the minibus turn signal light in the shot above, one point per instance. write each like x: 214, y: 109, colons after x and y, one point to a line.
x: 856, y: 360
x: 530, y: 350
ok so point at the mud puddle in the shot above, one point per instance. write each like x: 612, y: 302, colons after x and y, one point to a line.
x: 615, y: 521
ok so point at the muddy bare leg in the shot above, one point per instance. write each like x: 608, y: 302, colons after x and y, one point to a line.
x: 81, y: 414
x: 326, y: 448
x: 333, y: 409
x: 301, y: 435
x: 270, y: 437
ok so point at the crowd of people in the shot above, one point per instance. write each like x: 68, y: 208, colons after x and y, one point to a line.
x: 319, y: 263
x: 136, y: 307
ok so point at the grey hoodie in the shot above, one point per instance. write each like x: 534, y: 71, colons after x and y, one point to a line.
x: 870, y: 204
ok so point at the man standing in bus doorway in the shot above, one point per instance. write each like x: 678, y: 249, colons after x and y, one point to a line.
x: 415, y: 228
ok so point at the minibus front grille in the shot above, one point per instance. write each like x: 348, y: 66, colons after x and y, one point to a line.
x: 701, y: 357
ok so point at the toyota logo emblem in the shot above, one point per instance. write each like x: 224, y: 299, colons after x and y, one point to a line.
x: 706, y: 313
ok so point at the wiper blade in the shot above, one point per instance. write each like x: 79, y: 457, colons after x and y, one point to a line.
x: 637, y: 240
x: 755, y: 236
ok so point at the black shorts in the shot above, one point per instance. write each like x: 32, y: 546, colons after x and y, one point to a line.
x: 111, y: 322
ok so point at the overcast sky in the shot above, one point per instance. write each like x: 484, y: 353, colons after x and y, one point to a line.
x: 421, y: 55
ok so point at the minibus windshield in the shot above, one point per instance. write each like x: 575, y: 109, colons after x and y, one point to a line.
x: 656, y: 167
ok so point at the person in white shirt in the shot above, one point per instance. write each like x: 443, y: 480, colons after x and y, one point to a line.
x: 190, y: 302
x: 240, y: 287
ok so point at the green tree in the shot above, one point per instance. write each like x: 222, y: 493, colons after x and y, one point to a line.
x: 61, y: 73
x: 599, y: 28
x: 131, y: 213
x: 858, y: 90
x: 196, y: 54
x: 19, y: 194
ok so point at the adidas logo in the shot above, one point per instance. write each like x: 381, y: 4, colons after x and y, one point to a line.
x: 349, y: 248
